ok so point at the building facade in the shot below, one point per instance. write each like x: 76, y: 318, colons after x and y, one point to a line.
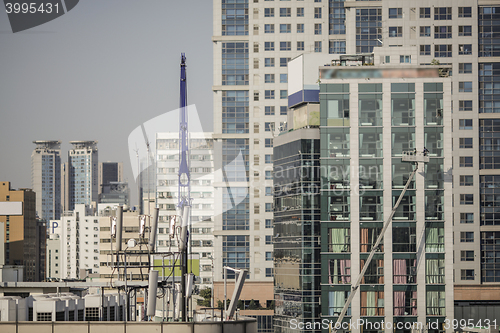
x: 78, y: 232
x: 201, y: 148
x: 297, y: 262
x: 46, y: 178
x: 81, y: 175
x: 18, y: 214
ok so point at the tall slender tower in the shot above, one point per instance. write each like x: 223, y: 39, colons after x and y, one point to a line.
x: 46, y: 178
x: 82, y: 172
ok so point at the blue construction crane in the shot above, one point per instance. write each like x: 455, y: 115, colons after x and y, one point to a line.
x: 184, y: 203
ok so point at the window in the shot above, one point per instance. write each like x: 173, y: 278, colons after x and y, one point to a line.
x: 269, y: 28
x: 395, y: 31
x: 300, y: 12
x: 269, y: 175
x: 442, y: 50
x: 466, y: 237
x: 283, y: 94
x: 255, y: 47
x: 269, y: 256
x: 285, y: 28
x: 466, y: 180
x: 442, y: 13
x: 269, y: 240
x: 269, y: 160
x: 283, y: 110
x: 269, y: 62
x: 466, y: 255
x: 256, y: 63
x: 465, y: 142
x: 442, y: 32
x: 269, y: 143
x: 269, y: 191
x: 269, y: 78
x: 465, y: 68
x: 464, y: 49
x: 256, y: 95
x: 465, y: 86
x: 466, y: 274
x: 269, y: 94
x: 317, y: 12
x: 425, y: 12
x: 268, y: 12
x: 300, y: 28
x: 300, y: 46
x: 425, y: 50
x: 269, y: 126
x: 464, y: 11
x: 269, y: 110
x: 337, y: 47
x: 269, y: 46
x: 317, y: 46
x: 465, y: 124
x: 465, y: 30
x: 285, y: 12
x: 425, y: 31
x: 395, y: 13
x: 466, y: 199
x: 285, y: 46
x: 269, y: 272
x: 466, y: 162
x: 466, y: 218
x: 284, y: 62
x: 404, y: 59
x: 283, y: 78
x: 317, y: 29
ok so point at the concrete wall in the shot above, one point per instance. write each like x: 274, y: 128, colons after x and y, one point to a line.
x: 241, y: 326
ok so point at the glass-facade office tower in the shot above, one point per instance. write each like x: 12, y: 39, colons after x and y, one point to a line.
x: 297, y: 227
x: 81, y: 174
x: 368, y: 122
x: 46, y: 178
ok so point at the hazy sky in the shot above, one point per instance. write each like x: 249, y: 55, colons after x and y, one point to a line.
x: 98, y: 72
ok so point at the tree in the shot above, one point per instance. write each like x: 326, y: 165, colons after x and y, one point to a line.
x: 241, y: 306
x: 271, y: 306
x: 206, y: 293
x: 252, y: 305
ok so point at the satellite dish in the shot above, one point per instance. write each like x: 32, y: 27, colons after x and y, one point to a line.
x: 131, y: 243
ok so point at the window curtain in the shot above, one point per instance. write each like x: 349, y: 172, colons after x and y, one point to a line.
x: 364, y: 240
x: 399, y: 271
x: 435, y: 303
x: 399, y: 303
x: 432, y: 239
x: 345, y: 271
x: 413, y: 304
x: 432, y: 271
x: 372, y: 303
x: 336, y: 300
x: 333, y: 279
x: 338, y: 241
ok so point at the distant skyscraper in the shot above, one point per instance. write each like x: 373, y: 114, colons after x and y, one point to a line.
x: 81, y: 174
x: 46, y: 178
x: 110, y: 172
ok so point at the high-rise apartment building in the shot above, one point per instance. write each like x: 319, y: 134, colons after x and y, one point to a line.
x: 201, y: 149
x: 80, y: 175
x: 253, y: 41
x: 46, y: 178
x: 78, y: 232
x: 18, y: 214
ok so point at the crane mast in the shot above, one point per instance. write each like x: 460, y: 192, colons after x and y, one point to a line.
x: 184, y: 185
